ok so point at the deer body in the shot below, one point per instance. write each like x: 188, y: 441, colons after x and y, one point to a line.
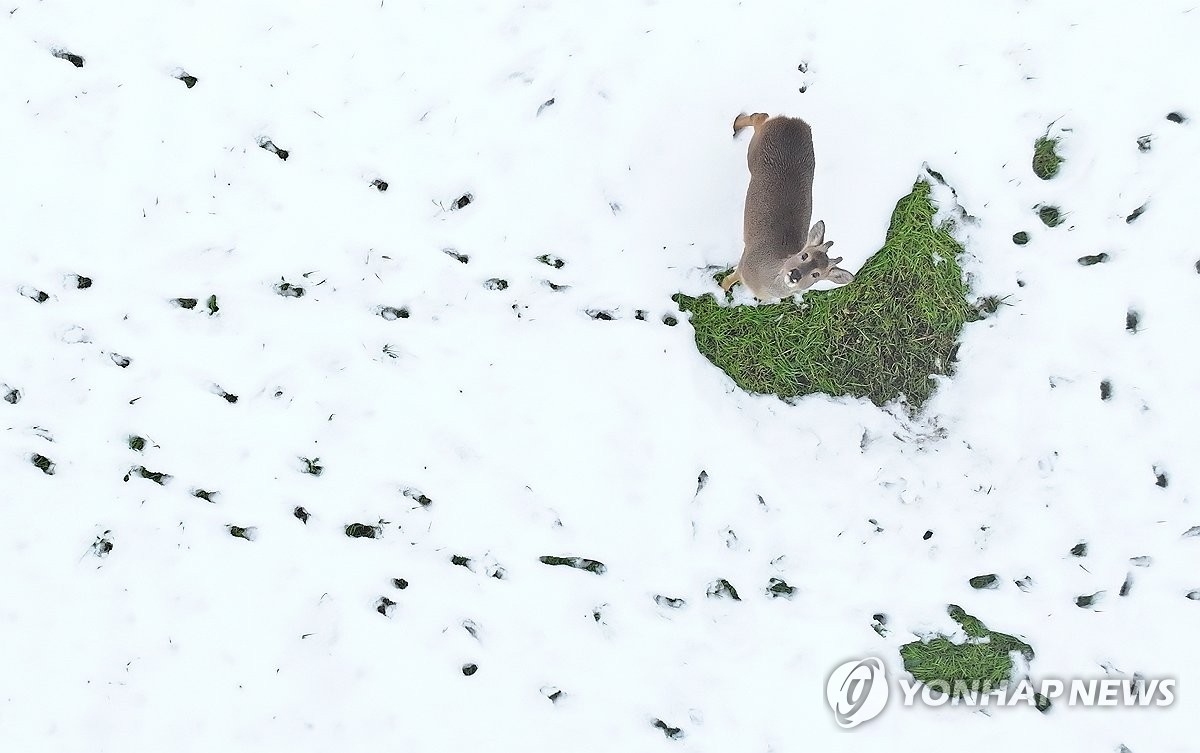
x: 782, y: 256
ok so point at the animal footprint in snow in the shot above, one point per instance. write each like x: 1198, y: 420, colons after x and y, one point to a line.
x: 779, y: 588
x: 363, y: 531
x: 673, y: 733
x: 1160, y: 477
x: 385, y: 606
x: 669, y: 602
x: 288, y: 290
x: 1127, y: 586
x: 249, y: 533
x: 102, y: 546
x: 722, y: 589
x: 267, y: 144
x: 1132, y: 321
x: 33, y: 294
x: 188, y: 79
x: 392, y: 313
x: 805, y: 78
x: 66, y: 55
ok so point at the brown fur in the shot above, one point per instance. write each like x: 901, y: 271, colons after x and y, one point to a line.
x: 782, y: 255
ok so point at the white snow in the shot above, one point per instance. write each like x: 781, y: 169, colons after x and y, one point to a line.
x: 548, y: 432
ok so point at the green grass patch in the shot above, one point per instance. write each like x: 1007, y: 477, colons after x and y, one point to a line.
x: 1051, y: 216
x: 1046, y: 160
x: 879, y: 337
x: 984, y: 662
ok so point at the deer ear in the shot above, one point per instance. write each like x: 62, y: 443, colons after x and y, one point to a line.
x: 839, y: 276
x: 817, y: 234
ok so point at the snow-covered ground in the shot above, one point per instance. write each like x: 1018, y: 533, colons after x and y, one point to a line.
x: 599, y: 134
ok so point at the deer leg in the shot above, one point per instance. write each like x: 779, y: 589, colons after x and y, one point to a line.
x: 752, y: 121
x: 731, y: 279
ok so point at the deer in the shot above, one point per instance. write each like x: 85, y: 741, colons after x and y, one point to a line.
x: 782, y: 255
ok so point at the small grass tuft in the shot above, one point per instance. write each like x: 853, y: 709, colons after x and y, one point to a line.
x: 672, y: 733
x: 579, y: 563
x: 157, y: 477
x: 879, y: 337
x: 777, y: 588
x: 722, y: 589
x: 989, y: 305
x: 249, y: 533
x: 363, y: 531
x: 984, y: 662
x: 1046, y: 160
x: 989, y: 581
x: 42, y: 463
x: 1091, y: 259
x: 78, y: 61
x: 1051, y: 216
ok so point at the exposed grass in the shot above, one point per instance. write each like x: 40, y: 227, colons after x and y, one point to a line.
x: 1046, y: 160
x: 1051, y: 216
x: 975, y: 664
x: 579, y: 563
x: 880, y: 337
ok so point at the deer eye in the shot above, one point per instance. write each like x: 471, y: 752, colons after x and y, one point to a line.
x: 816, y: 274
x: 804, y: 256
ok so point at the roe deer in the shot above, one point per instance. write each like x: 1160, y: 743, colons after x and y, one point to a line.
x: 782, y: 256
